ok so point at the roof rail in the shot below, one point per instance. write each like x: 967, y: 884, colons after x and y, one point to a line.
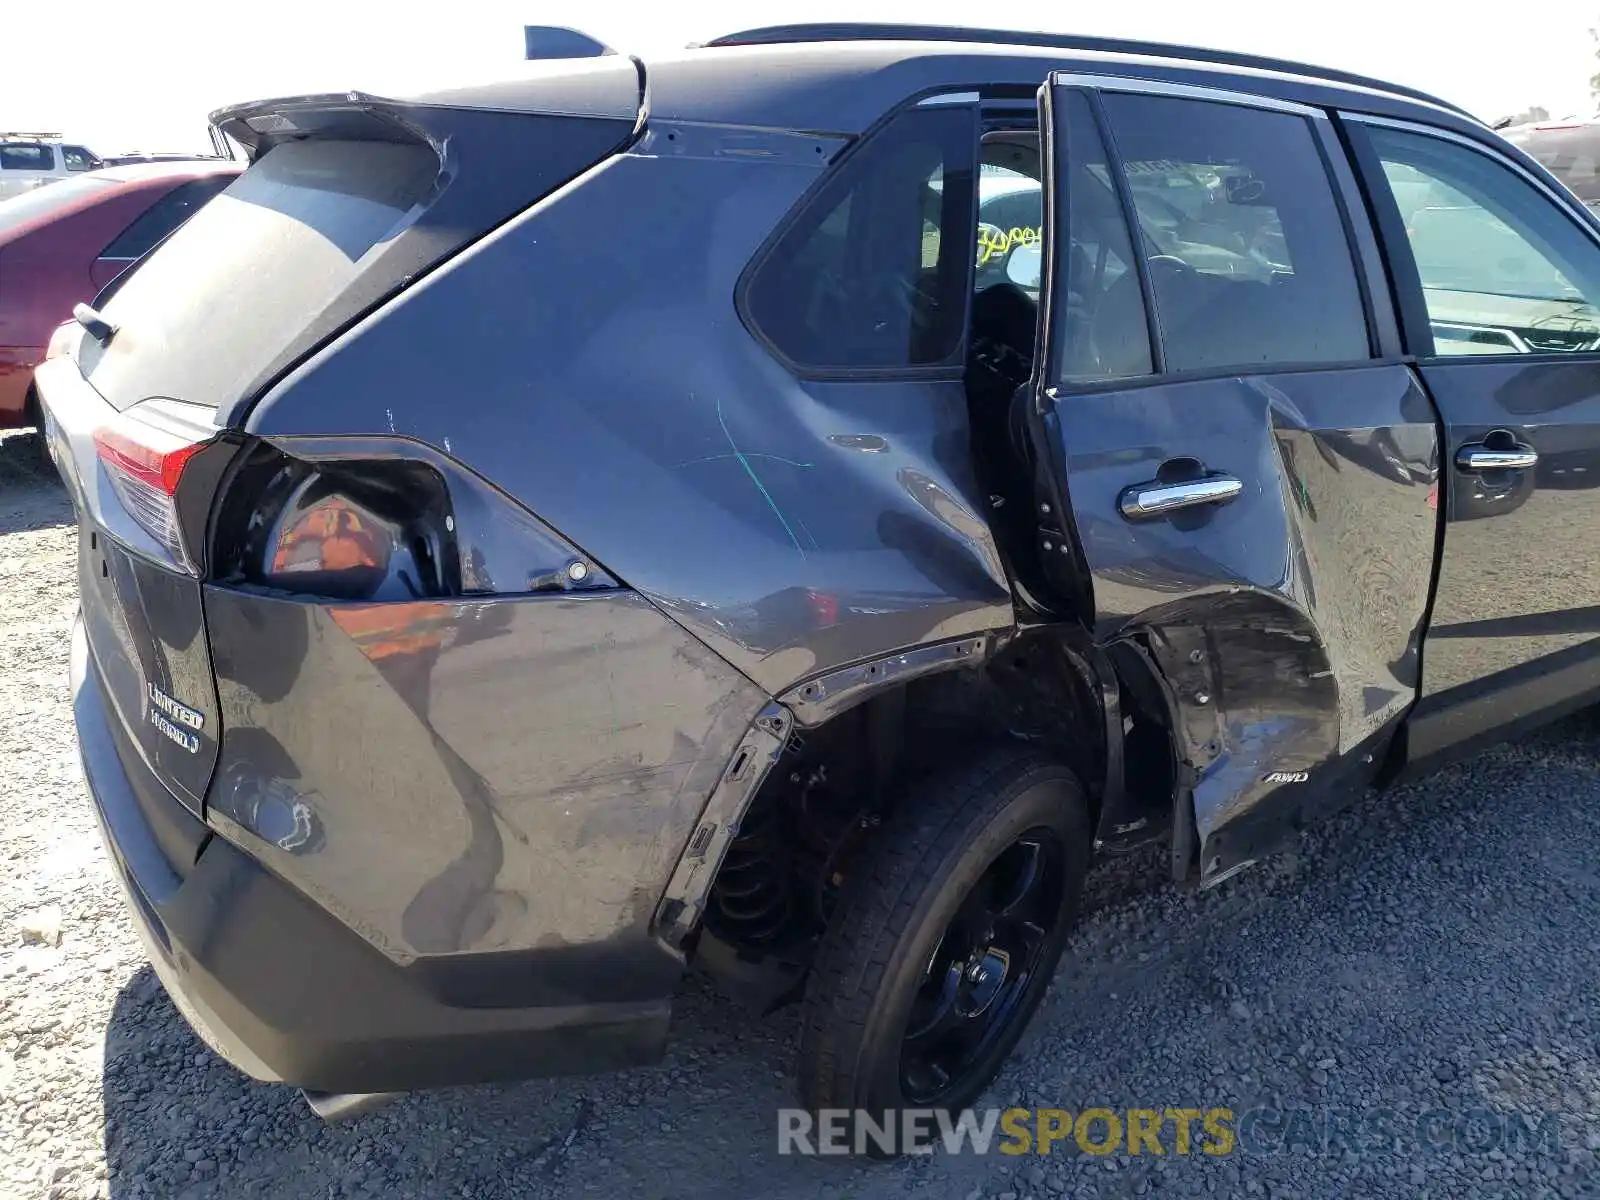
x: 557, y: 41
x: 20, y: 135
x: 867, y: 31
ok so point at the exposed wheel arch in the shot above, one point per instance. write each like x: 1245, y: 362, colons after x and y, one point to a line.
x: 827, y: 774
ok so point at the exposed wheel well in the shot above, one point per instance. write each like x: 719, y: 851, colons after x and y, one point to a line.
x: 818, y: 810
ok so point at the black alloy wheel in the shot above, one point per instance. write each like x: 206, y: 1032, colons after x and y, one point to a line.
x: 946, y: 936
x: 981, y: 968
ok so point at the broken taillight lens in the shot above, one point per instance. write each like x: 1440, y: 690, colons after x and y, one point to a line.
x: 145, y: 469
x: 383, y: 520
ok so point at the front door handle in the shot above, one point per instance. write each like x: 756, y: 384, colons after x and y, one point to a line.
x: 1502, y: 453
x: 1145, y: 501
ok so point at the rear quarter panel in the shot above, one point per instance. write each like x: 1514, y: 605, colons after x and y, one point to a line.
x: 589, y: 359
x: 473, y: 786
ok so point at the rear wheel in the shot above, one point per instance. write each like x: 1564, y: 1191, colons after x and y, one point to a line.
x: 947, y: 939
x: 36, y: 450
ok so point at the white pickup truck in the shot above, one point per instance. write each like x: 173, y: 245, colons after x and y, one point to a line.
x: 31, y: 160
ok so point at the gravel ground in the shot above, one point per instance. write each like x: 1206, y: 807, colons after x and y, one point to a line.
x: 1433, y: 948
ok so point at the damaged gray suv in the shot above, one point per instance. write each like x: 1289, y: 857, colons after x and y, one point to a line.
x: 785, y: 510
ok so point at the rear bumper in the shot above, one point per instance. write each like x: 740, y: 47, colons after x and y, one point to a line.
x: 286, y: 992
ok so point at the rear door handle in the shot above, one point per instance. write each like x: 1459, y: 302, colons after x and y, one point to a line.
x: 1509, y: 456
x: 1145, y: 501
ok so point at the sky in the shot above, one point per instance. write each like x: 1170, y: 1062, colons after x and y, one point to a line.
x: 142, y: 74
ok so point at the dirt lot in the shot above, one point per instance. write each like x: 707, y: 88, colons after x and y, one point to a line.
x: 1432, y: 950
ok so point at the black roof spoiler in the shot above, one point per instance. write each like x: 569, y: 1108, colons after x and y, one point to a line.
x: 616, y: 93
x: 558, y: 41
x: 869, y: 32
x: 259, y: 125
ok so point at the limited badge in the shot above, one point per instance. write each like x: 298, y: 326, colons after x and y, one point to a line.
x: 174, y: 719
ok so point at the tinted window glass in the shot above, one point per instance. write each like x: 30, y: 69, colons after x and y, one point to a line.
x: 1102, y: 331
x: 78, y: 159
x: 162, y: 217
x: 874, y: 272
x: 1248, y: 255
x: 277, y: 249
x: 1504, y: 270
x: 26, y: 156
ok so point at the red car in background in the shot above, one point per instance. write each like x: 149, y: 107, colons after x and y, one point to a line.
x: 62, y: 243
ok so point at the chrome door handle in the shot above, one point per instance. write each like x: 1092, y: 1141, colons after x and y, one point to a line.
x: 1143, y: 501
x: 1479, y: 457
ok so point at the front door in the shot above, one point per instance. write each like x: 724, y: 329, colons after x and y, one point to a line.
x: 1248, y: 464
x: 1499, y: 279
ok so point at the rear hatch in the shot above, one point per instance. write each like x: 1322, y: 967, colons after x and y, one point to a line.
x: 347, y: 201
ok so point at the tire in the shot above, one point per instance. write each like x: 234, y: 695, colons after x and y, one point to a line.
x: 955, y: 837
x: 37, y: 454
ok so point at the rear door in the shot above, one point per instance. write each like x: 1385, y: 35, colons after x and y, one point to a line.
x: 1247, y: 462
x: 1499, y: 277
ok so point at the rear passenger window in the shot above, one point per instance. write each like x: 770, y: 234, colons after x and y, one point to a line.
x: 1247, y: 251
x: 1503, y: 269
x: 873, y: 273
x: 23, y: 156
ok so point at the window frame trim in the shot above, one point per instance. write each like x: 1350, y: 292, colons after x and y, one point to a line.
x: 1410, y: 298
x: 1322, y: 127
x: 966, y: 99
x: 1143, y: 86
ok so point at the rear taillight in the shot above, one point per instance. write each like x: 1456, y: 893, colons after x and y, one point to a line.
x: 383, y: 520
x: 145, y: 469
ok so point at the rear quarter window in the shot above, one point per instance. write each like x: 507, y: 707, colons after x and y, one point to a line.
x: 872, y: 272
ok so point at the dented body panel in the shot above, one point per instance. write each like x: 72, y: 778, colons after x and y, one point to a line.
x: 1286, y: 624
x: 792, y: 526
x: 474, y: 785
x: 510, y: 572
